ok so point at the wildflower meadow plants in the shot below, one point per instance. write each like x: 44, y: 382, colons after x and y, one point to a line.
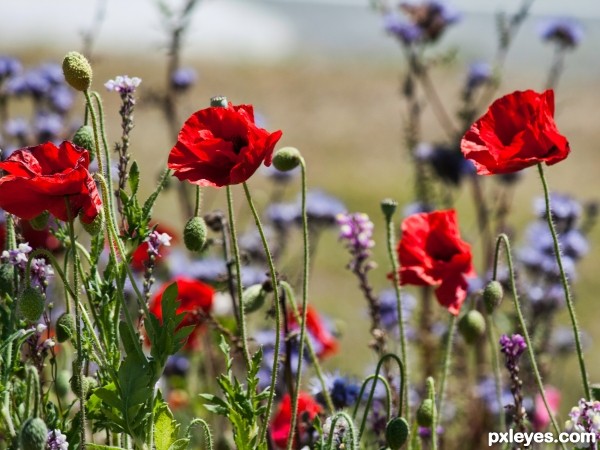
x: 119, y: 332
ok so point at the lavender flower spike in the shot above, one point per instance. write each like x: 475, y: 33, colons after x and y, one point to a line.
x: 123, y: 84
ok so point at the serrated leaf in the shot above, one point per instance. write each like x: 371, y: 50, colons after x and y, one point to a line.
x: 109, y: 397
x: 165, y: 430
x: 134, y: 178
x: 124, y: 197
x: 180, y: 444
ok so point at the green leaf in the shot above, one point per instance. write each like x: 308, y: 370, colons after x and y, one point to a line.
x: 165, y: 429
x: 134, y: 178
x: 101, y: 447
x: 180, y: 444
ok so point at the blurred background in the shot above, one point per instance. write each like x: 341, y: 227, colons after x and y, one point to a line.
x: 327, y: 74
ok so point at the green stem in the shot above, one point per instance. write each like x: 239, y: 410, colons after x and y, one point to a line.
x: 311, y: 350
x: 388, y: 394
x: 350, y: 428
x: 496, y: 366
x: 208, y: 440
x: 75, y: 293
x: 565, y: 284
x: 503, y: 239
x: 198, y: 201
x: 396, y: 279
x: 105, y: 149
x: 304, y: 307
x: 434, y: 415
x: 263, y: 435
x: 238, y: 276
x: 447, y: 360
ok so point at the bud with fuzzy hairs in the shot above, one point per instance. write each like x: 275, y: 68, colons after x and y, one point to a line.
x: 33, y: 434
x: 31, y: 304
x: 84, y: 138
x: 287, y: 158
x: 195, y: 234
x: 77, y: 71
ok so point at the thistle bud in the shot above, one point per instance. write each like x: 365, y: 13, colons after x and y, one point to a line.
x: 40, y: 222
x: 287, y: 158
x: 396, y: 433
x: 31, y: 304
x: 33, y: 434
x: 254, y: 298
x: 194, y: 234
x: 492, y: 295
x: 65, y: 327
x: 77, y: 71
x: 472, y: 326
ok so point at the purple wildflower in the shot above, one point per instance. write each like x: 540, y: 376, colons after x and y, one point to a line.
x: 41, y: 272
x: 567, y: 33
x: 183, y: 78
x: 513, y: 347
x: 405, y: 32
x: 9, y: 66
x: 357, y: 231
x: 155, y: 240
x: 123, y: 84
x: 585, y: 418
x: 17, y: 257
x: 57, y: 441
x: 479, y: 74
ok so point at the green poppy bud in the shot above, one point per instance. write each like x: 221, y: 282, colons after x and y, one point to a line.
x: 7, y: 273
x: 95, y: 226
x: 492, y: 295
x: 253, y: 298
x: 33, y: 434
x: 65, y: 327
x: 31, y: 304
x: 84, y: 138
x: 77, y: 71
x: 88, y: 384
x: 62, y: 383
x: 194, y: 234
x: 388, y: 206
x: 425, y: 413
x: 287, y: 158
x: 396, y: 433
x: 40, y: 222
x: 219, y: 101
x: 472, y: 326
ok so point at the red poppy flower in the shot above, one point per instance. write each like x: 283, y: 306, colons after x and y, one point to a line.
x: 39, y: 238
x: 39, y: 179
x: 324, y: 342
x: 308, y: 409
x: 431, y: 253
x: 518, y: 131
x: 221, y: 146
x: 195, y: 298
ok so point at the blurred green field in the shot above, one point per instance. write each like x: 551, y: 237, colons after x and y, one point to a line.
x: 346, y: 117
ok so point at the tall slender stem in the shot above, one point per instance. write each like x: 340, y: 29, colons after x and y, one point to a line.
x: 238, y: 276
x: 274, y: 282
x: 496, y: 366
x: 565, y: 284
x: 446, y: 361
x: 503, y: 239
x: 304, y: 307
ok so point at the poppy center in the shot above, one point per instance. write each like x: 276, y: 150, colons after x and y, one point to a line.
x: 239, y: 142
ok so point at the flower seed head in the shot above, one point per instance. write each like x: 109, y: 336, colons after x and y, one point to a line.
x: 195, y: 234
x: 77, y: 71
x: 219, y: 101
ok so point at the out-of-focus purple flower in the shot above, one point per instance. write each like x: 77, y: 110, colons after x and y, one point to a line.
x: 57, y: 441
x: 356, y: 230
x: 281, y: 215
x: 61, y: 98
x: 17, y: 127
x: 155, y: 240
x: 9, y: 67
x: 279, y: 176
x: 321, y: 208
x: 449, y: 164
x: 123, y: 84
x: 567, y: 33
x: 51, y: 72
x: 343, y: 391
x: 405, y: 32
x: 177, y: 365
x: 388, y: 310
x: 17, y: 257
x: 253, y: 275
x: 48, y: 127
x: 565, y: 210
x: 183, y: 78
x: 432, y: 17
x: 41, y: 272
x: 512, y: 347
x: 31, y: 83
x: 425, y: 432
x: 562, y: 340
x: 479, y: 73
x: 584, y: 418
x: 209, y: 270
x: 251, y: 244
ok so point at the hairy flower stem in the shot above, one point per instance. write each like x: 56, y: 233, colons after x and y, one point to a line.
x: 311, y: 350
x: 274, y: 282
x: 391, y: 245
x: 75, y: 293
x: 238, y: 276
x: 446, y: 363
x: 491, y: 333
x: 304, y: 306
x: 565, y: 284
x: 435, y: 411
x: 503, y: 239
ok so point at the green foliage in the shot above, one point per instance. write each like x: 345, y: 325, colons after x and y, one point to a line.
x: 166, y: 429
x: 243, y: 406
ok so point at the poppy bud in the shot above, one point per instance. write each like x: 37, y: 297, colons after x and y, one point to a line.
x: 492, y: 295
x: 95, y: 226
x: 425, y: 413
x: 388, y: 206
x: 219, y: 101
x: 7, y: 274
x: 84, y: 138
x: 65, y: 327
x: 194, y: 234
x: 396, y: 433
x: 472, y: 326
x: 287, y: 158
x: 33, y: 435
x: 88, y: 384
x: 40, y: 222
x: 253, y: 298
x: 31, y: 304
x: 62, y: 383
x: 77, y: 71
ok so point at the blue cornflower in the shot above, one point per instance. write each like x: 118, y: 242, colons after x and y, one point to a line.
x: 405, y: 32
x: 389, y: 311
x: 565, y: 32
x: 448, y: 164
x: 343, y: 391
x: 183, y: 78
x: 9, y: 67
x: 17, y: 127
x: 479, y: 74
x: 321, y: 208
x: 61, y: 98
x: 48, y: 127
x: 279, y: 176
x: 281, y: 215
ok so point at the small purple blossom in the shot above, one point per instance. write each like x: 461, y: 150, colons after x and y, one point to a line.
x: 321, y: 208
x: 123, y: 84
x: 48, y: 126
x: 584, y: 418
x: 405, y: 32
x: 567, y: 33
x: 17, y: 257
x: 155, y: 240
x: 513, y: 347
x: 183, y: 78
x: 41, y: 272
x: 17, y: 127
x: 57, y: 441
x: 9, y: 66
x: 479, y: 74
